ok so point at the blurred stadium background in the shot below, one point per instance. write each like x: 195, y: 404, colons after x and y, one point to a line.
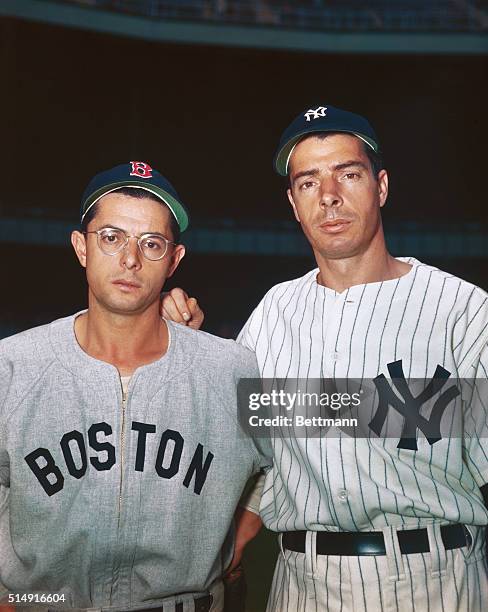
x: 201, y: 89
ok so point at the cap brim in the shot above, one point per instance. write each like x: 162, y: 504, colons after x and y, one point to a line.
x: 172, y: 203
x: 284, y: 154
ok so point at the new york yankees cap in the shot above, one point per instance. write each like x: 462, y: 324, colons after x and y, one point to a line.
x: 135, y: 174
x: 322, y: 119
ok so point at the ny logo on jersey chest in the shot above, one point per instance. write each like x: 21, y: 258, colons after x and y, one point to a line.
x: 409, y: 406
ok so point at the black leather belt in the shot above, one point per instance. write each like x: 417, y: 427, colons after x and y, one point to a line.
x: 353, y: 543
x: 202, y: 604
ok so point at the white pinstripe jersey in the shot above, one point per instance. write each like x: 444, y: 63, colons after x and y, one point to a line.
x: 425, y: 318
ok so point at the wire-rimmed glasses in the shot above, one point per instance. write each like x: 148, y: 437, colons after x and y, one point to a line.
x: 112, y: 240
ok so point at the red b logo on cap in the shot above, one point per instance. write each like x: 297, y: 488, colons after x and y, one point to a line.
x: 141, y: 169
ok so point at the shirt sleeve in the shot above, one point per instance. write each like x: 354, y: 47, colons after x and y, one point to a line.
x: 261, y: 443
x: 249, y: 334
x: 470, y: 333
x: 3, y: 593
x: 251, y: 498
x: 5, y: 378
x: 476, y: 418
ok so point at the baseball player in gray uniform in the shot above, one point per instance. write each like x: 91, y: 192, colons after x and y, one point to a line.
x: 118, y: 431
x: 369, y: 523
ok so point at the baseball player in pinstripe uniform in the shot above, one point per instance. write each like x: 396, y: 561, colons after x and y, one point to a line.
x: 364, y: 523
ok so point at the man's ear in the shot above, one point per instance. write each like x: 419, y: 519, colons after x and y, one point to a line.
x: 78, y: 240
x: 292, y: 202
x: 176, y: 257
x: 383, y: 186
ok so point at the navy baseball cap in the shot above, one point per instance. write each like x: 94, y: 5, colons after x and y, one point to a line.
x: 322, y: 119
x: 135, y: 174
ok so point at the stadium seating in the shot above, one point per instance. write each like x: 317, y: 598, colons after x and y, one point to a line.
x: 343, y: 15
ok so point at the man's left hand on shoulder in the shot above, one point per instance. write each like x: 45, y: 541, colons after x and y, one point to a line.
x: 178, y: 307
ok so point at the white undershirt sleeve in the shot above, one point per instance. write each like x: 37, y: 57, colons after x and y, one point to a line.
x: 251, y: 498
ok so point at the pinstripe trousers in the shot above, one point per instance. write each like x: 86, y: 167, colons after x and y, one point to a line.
x: 438, y: 581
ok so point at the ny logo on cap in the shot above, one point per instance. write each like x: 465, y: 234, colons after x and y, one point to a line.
x: 315, y: 114
x: 141, y: 169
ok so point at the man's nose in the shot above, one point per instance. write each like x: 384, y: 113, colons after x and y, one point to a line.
x: 131, y: 255
x: 329, y: 193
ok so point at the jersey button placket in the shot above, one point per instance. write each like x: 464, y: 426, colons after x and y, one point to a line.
x: 334, y: 305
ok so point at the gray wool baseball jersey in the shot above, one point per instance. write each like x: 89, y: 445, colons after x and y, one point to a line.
x: 120, y: 502
x: 425, y: 319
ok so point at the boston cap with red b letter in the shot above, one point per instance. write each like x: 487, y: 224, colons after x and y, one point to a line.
x: 135, y: 174
x: 322, y: 119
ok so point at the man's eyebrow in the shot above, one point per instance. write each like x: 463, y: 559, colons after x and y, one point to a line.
x: 110, y: 226
x: 311, y: 172
x: 351, y: 163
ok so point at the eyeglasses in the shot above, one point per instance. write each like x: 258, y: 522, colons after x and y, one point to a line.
x: 112, y: 240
